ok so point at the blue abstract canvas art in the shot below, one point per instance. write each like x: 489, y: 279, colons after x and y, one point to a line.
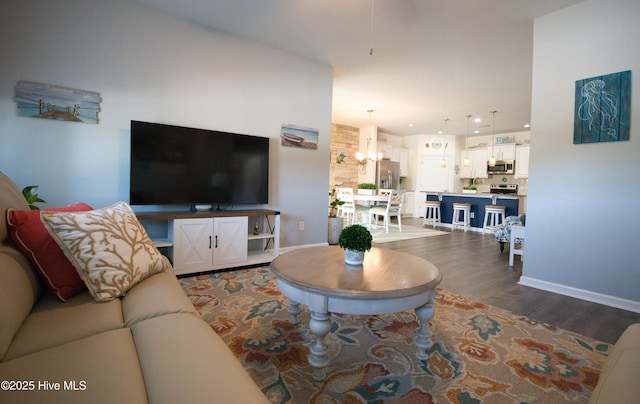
x: 603, y: 108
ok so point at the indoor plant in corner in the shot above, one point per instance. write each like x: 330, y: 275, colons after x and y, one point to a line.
x: 31, y: 196
x: 336, y: 223
x: 355, y: 240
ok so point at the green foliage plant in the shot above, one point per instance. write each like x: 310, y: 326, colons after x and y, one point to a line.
x: 31, y: 195
x: 471, y: 185
x: 335, y: 202
x: 355, y: 237
x: 367, y: 185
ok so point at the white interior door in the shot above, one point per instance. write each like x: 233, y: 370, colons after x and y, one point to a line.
x: 433, y: 177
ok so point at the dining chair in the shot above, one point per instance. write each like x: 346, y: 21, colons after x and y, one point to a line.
x: 386, y: 192
x: 393, y: 207
x: 350, y: 209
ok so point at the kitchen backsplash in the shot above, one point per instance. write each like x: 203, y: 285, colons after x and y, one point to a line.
x: 482, y: 184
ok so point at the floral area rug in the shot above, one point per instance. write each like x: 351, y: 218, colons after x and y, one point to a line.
x: 481, y: 354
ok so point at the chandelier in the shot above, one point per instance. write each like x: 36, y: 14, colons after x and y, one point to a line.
x: 363, y: 159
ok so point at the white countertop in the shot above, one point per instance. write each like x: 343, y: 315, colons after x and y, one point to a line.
x: 478, y: 195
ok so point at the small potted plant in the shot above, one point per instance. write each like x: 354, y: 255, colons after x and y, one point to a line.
x: 367, y: 188
x: 336, y: 223
x: 355, y: 240
x: 471, y: 188
x: 30, y: 193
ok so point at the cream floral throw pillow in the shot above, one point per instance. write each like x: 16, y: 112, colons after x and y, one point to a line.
x: 108, y: 247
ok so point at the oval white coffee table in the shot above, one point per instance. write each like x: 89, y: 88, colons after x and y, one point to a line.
x: 387, y: 282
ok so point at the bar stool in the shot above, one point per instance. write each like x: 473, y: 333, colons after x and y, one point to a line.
x: 493, y: 216
x: 432, y: 215
x: 465, y: 210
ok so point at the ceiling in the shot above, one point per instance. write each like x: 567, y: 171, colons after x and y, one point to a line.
x: 432, y: 59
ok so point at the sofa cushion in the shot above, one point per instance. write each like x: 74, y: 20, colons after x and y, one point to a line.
x: 19, y: 290
x: 10, y: 198
x: 104, y: 367
x: 31, y: 237
x: 183, y: 348
x: 53, y: 323
x: 618, y: 381
x: 109, y: 247
x: 158, y: 295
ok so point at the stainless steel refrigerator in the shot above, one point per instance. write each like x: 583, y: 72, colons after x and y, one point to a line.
x: 388, y: 174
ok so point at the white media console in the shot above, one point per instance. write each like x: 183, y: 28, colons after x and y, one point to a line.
x: 215, y: 240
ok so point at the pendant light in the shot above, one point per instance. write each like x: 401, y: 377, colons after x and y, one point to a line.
x: 371, y: 32
x: 443, y: 163
x: 492, y: 160
x: 466, y: 145
x: 363, y: 159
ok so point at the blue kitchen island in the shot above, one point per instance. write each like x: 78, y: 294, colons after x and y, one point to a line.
x: 478, y: 203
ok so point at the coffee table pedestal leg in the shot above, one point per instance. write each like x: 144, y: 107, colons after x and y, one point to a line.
x: 320, y: 326
x: 423, y: 339
x: 294, y: 310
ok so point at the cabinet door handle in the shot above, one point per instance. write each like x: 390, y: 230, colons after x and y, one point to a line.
x: 209, y: 242
x: 216, y: 246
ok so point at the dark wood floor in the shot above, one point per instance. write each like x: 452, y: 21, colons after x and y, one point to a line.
x: 472, y: 265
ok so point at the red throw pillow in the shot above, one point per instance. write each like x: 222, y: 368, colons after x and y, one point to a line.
x: 34, y: 241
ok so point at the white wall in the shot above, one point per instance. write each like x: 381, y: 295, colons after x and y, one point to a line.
x: 583, y: 220
x: 150, y: 66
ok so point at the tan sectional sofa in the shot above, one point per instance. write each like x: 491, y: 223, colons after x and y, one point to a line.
x: 619, y: 382
x: 148, y: 346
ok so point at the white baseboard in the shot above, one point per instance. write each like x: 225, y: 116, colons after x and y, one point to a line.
x: 587, y: 295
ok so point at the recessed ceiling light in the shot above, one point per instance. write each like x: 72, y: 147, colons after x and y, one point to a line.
x: 526, y: 125
x: 439, y: 132
x: 477, y: 120
x: 411, y: 125
x: 476, y: 131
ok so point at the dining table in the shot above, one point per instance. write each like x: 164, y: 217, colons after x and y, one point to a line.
x: 367, y: 199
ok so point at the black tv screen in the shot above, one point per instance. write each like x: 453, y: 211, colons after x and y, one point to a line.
x: 177, y: 165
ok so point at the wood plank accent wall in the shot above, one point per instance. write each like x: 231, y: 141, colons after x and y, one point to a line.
x: 344, y: 139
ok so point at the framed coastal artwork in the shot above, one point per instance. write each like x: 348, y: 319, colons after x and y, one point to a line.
x: 299, y: 136
x: 602, y: 108
x: 49, y: 101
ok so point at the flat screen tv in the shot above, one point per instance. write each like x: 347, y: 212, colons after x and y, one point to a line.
x: 174, y: 165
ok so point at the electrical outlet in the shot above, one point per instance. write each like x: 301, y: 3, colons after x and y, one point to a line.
x: 300, y: 226
x: 472, y: 215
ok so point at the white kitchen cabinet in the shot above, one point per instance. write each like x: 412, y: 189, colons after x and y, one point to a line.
x: 386, y: 150
x: 206, y: 241
x: 401, y: 155
x: 504, y: 151
x: 407, y: 206
x: 477, y: 163
x: 522, y: 162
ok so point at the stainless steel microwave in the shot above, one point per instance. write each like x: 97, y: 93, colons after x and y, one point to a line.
x: 501, y: 167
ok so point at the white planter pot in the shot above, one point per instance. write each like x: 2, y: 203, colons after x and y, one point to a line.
x: 353, y: 257
x: 366, y: 191
x: 336, y: 224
